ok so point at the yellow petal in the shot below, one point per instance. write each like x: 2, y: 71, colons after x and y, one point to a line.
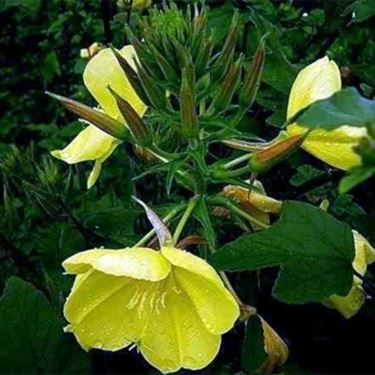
x: 94, y: 174
x: 138, y: 263
x: 364, y: 253
x: 215, y: 305
x: 90, y: 144
x: 176, y: 336
x: 103, y: 70
x: 350, y: 304
x: 333, y: 147
x: 108, y: 312
x: 317, y: 81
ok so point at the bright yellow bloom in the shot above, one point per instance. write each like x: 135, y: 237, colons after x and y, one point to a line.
x: 92, y: 143
x: 171, y: 304
x: 350, y: 304
x: 255, y: 202
x: 317, y: 81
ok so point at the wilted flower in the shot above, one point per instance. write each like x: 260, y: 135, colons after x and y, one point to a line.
x: 171, y: 304
x: 255, y: 202
x: 317, y: 81
x: 274, y: 346
x: 350, y: 304
x: 102, y: 71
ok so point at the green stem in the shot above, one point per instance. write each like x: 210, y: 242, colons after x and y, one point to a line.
x: 184, y: 218
x: 239, y: 171
x: 239, y: 160
x: 165, y: 220
x: 221, y: 201
x: 237, y: 119
x: 229, y: 286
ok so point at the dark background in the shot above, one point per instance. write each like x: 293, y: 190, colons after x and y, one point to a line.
x: 46, y: 214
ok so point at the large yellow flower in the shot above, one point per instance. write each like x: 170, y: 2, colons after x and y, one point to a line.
x: 171, y: 304
x: 102, y: 71
x: 350, y: 304
x: 317, y: 81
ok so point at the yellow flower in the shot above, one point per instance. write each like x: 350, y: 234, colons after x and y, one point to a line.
x: 255, y: 202
x: 317, y: 81
x: 92, y: 143
x: 350, y: 304
x: 171, y: 304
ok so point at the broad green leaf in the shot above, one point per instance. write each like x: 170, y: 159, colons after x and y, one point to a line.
x: 346, y: 107
x: 32, y: 337
x: 253, y: 351
x: 313, y: 249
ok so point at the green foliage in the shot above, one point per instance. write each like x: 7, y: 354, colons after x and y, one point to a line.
x: 31, y: 334
x: 46, y: 214
x: 346, y: 107
x: 314, y: 264
x: 253, y: 352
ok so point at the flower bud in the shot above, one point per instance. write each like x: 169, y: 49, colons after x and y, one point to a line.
x: 224, y: 96
x: 252, y: 78
x: 142, y: 135
x: 189, y: 121
x: 95, y: 117
x: 131, y: 75
x: 226, y: 56
x: 265, y: 159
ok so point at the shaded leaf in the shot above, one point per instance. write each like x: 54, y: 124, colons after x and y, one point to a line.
x: 32, y: 336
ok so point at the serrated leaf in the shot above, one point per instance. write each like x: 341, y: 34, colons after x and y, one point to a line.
x: 313, y: 249
x: 32, y: 337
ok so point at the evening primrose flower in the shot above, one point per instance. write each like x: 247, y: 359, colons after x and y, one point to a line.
x: 101, y: 72
x: 317, y: 81
x: 171, y: 304
x: 350, y: 304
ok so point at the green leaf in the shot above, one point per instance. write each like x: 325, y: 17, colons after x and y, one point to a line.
x: 361, y: 10
x: 355, y: 177
x: 346, y: 107
x: 313, y: 249
x: 305, y: 173
x: 253, y: 353
x: 32, y: 337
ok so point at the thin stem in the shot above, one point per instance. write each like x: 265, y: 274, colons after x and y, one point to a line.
x: 237, y: 210
x: 229, y: 286
x: 239, y: 160
x: 184, y: 218
x: 239, y: 171
x: 165, y: 220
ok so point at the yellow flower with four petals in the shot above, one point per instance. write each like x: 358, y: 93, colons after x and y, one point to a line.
x: 171, y: 304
